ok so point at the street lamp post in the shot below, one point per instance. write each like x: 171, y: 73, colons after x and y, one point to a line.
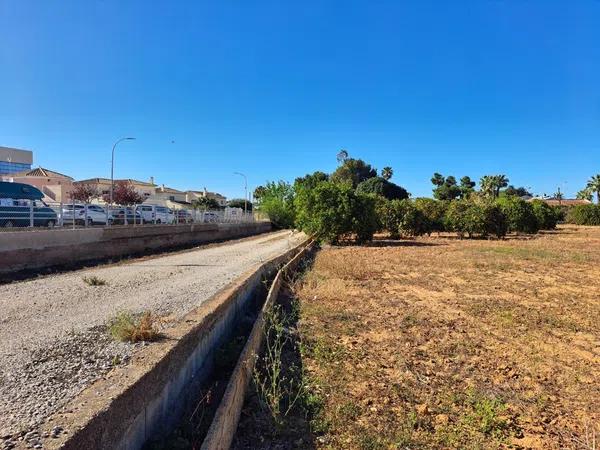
x: 245, y: 191
x: 112, y: 166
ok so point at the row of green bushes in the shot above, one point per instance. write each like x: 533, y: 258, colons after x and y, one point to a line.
x: 468, y: 217
x: 584, y: 215
x: 336, y: 211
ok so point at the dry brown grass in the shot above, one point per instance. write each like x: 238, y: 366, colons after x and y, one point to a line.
x: 127, y: 327
x: 457, y: 344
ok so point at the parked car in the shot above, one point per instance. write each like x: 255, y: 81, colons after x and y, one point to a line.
x: 183, y: 216
x: 162, y: 214
x: 17, y: 203
x: 94, y: 215
x: 210, y: 217
x: 124, y: 216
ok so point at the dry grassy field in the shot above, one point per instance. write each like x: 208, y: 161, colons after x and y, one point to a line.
x: 443, y: 343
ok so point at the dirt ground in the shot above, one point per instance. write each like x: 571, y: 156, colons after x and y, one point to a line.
x: 443, y: 343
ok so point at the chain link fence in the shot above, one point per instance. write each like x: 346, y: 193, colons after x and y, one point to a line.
x: 35, y: 213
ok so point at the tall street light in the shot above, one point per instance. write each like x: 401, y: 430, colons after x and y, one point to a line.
x: 245, y: 190
x: 112, y: 166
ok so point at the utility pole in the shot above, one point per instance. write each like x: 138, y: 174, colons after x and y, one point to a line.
x: 245, y: 191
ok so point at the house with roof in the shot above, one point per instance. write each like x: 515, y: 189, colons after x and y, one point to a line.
x: 565, y: 202
x: 55, y: 186
x: 102, y: 185
x: 169, y: 197
x: 196, y: 195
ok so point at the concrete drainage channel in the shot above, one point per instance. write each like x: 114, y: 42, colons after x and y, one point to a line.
x: 134, y: 406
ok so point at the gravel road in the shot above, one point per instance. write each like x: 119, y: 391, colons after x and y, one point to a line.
x: 53, y: 340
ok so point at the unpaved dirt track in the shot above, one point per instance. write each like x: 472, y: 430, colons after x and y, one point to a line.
x: 52, y: 336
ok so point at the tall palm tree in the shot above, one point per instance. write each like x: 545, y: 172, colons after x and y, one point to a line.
x: 585, y: 194
x: 487, y: 185
x: 593, y: 185
x: 342, y: 156
x: 387, y: 173
x: 500, y: 181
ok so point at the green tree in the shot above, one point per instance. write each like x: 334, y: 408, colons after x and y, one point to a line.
x: 310, y: 180
x: 342, y: 156
x: 402, y: 218
x: 387, y: 173
x: 334, y: 212
x: 547, y: 216
x: 519, y: 214
x: 258, y: 193
x: 593, y: 185
x: 380, y: 186
x: 445, y: 187
x: 205, y: 203
x: 585, y: 194
x: 277, y: 202
x: 517, y: 191
x: 584, y: 215
x: 475, y: 217
x: 491, y: 185
x: 239, y: 203
x: 353, y: 171
x: 466, y: 187
x: 434, y: 212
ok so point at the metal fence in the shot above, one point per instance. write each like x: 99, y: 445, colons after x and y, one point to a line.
x: 30, y: 214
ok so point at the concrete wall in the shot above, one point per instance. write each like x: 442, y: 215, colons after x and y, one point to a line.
x: 40, y: 249
x: 134, y: 403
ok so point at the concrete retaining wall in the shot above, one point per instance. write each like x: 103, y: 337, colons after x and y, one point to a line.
x: 21, y: 251
x: 136, y: 402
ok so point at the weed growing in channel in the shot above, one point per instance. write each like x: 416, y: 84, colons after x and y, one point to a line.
x: 278, y: 391
x: 127, y: 327
x: 94, y: 281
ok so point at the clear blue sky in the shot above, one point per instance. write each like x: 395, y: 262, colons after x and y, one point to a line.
x: 275, y: 89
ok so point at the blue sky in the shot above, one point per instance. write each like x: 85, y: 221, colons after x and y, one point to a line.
x: 275, y: 89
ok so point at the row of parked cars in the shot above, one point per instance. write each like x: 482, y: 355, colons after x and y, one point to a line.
x: 141, y: 214
x: 20, y: 203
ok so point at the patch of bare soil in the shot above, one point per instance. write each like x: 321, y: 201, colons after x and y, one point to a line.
x: 443, y: 343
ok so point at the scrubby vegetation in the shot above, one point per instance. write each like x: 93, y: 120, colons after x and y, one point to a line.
x: 128, y: 327
x: 354, y: 202
x: 584, y: 215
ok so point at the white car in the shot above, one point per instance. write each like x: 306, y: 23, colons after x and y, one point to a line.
x: 92, y: 215
x: 162, y: 214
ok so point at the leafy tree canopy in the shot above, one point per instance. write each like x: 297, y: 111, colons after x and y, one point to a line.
x: 353, y: 171
x: 380, y: 186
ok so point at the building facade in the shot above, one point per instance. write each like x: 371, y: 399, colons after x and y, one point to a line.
x: 55, y: 186
x: 14, y: 160
x: 102, y: 185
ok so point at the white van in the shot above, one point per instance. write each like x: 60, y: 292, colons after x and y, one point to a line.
x: 161, y: 213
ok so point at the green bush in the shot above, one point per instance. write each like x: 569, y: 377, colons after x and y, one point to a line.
x: 547, y: 216
x: 584, y: 215
x: 383, y: 187
x: 334, y: 211
x: 475, y: 218
x: 519, y: 214
x: 277, y: 202
x: 434, y: 212
x: 402, y: 218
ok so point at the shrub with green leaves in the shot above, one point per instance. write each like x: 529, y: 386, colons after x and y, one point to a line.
x: 584, y: 215
x: 434, y: 212
x: 334, y: 212
x: 519, y: 214
x: 383, y: 187
x: 277, y: 202
x: 546, y: 215
x: 402, y: 218
x: 475, y: 218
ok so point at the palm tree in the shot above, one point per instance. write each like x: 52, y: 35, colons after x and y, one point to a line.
x: 387, y: 173
x: 500, y: 181
x: 487, y: 185
x: 593, y: 185
x: 585, y: 194
x: 559, y: 196
x: 342, y: 156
